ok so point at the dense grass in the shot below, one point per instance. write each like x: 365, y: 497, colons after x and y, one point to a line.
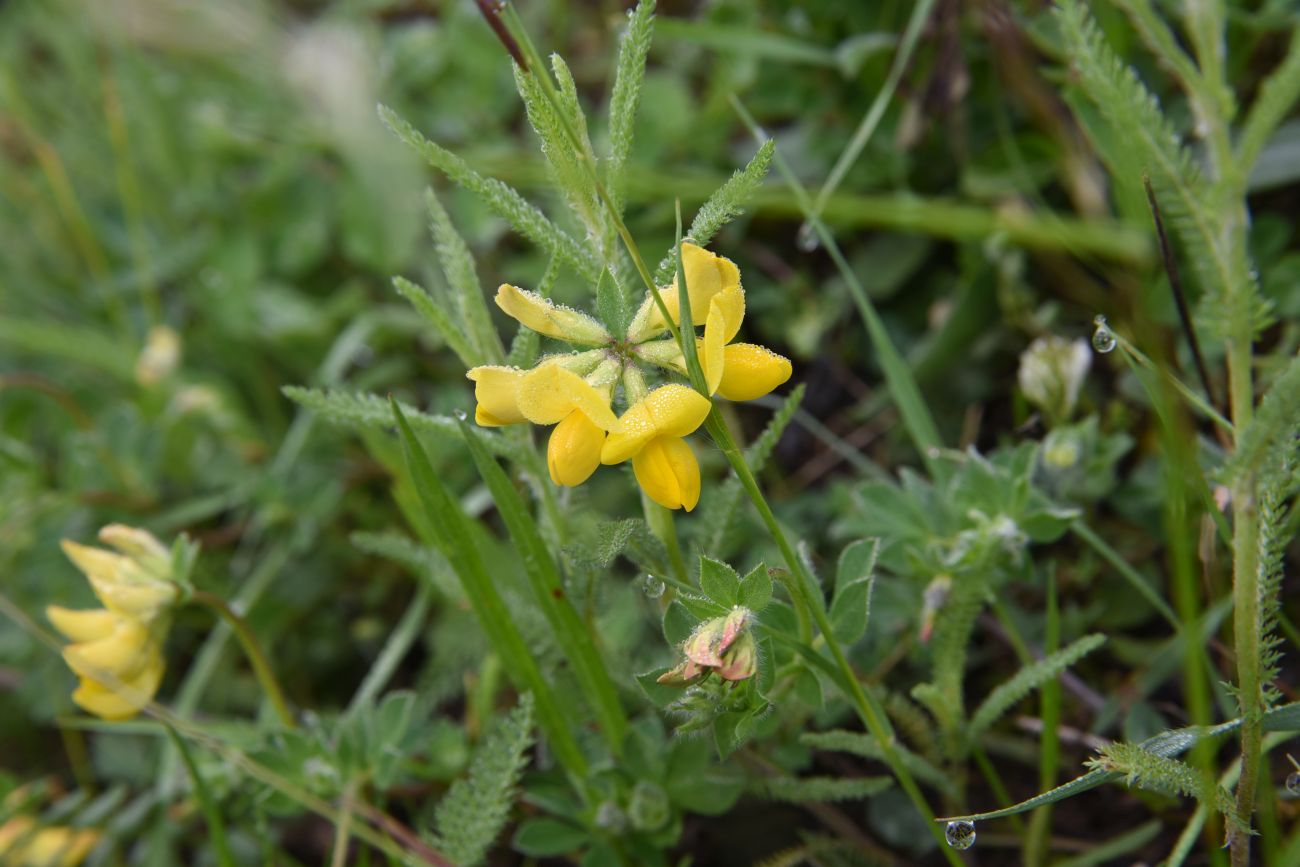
x: 978, y: 554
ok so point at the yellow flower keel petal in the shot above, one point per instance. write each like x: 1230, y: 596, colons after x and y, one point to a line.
x: 550, y: 393
x: 573, y: 452
x: 496, y: 392
x: 535, y: 312
x: 82, y: 625
x: 122, y: 700
x: 123, y: 654
x: 667, y: 471
x: 751, y: 371
x: 668, y: 411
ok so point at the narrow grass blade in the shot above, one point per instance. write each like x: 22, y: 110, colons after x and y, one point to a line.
x: 548, y: 592
x: 452, y: 534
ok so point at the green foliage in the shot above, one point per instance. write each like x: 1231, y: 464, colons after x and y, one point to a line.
x: 1155, y: 773
x: 474, y: 811
x: 500, y: 197
x: 801, y: 790
x: 1031, y: 677
x: 851, y: 603
x: 1137, y: 121
x: 458, y: 268
x: 864, y: 745
x: 625, y: 97
x: 724, y: 205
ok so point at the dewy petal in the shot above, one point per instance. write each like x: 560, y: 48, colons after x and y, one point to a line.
x: 667, y: 471
x: 573, y: 452
x: 122, y: 700
x: 751, y: 371
x: 707, y: 275
x: 550, y: 393
x: 553, y: 320
x: 496, y: 394
x: 712, y: 358
x: 82, y: 625
x: 669, y: 411
x: 139, y: 544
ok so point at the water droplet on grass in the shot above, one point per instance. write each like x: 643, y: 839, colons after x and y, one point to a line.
x: 807, y: 239
x: 653, y: 586
x: 1103, y: 339
x: 960, y: 835
x: 1293, y: 783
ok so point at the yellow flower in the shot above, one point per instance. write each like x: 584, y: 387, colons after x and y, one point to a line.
x: 651, y: 435
x: 117, y: 651
x: 553, y: 320
x: 707, y: 275
x: 574, y: 392
x: 160, y: 356
x: 22, y: 844
x: 496, y: 393
x: 580, y: 411
x: 739, y: 371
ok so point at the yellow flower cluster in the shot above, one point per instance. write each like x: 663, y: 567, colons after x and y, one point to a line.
x: 23, y: 844
x: 575, y: 391
x: 116, y: 650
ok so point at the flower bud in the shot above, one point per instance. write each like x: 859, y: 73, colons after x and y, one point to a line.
x: 1051, y: 373
x: 741, y: 659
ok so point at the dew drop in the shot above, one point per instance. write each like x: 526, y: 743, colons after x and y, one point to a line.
x: 1103, y: 339
x: 653, y: 586
x: 1293, y: 783
x: 960, y: 835
x: 460, y: 414
x: 807, y: 238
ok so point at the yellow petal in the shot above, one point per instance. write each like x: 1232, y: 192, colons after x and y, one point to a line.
x: 751, y: 371
x: 731, y: 303
x: 56, y: 847
x: 134, y: 542
x: 707, y: 275
x: 550, y: 393
x: 82, y: 625
x: 669, y: 410
x: 121, y: 655
x: 120, y: 583
x: 667, y: 471
x: 573, y: 452
x: 712, y: 358
x: 553, y: 320
x: 124, y: 700
x: 496, y: 393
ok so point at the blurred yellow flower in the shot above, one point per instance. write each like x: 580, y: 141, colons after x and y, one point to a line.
x: 116, y: 651
x: 575, y: 392
x: 23, y: 844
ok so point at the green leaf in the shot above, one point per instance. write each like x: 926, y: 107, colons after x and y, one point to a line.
x: 756, y: 588
x: 502, y: 199
x: 719, y: 582
x: 1277, y: 97
x: 453, y: 534
x: 1029, y: 678
x: 542, y: 838
x: 851, y: 603
x: 626, y: 96
x: 862, y: 744
x: 726, y: 203
x: 804, y: 790
x: 1166, y: 775
x: 442, y: 322
x: 458, y: 267
x: 678, y: 623
x: 1165, y: 745
x: 548, y: 593
x: 470, y: 817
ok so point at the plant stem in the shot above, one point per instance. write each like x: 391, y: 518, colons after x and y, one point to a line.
x: 216, y: 829
x: 261, y: 667
x: 874, y: 722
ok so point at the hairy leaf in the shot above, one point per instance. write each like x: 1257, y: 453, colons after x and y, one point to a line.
x: 1029, y: 678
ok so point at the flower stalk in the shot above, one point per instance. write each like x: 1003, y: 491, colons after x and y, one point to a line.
x: 256, y: 657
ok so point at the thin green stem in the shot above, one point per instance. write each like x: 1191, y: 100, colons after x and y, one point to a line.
x: 216, y: 828
x: 1127, y: 572
x: 343, y: 828
x: 261, y: 667
x: 871, y: 718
